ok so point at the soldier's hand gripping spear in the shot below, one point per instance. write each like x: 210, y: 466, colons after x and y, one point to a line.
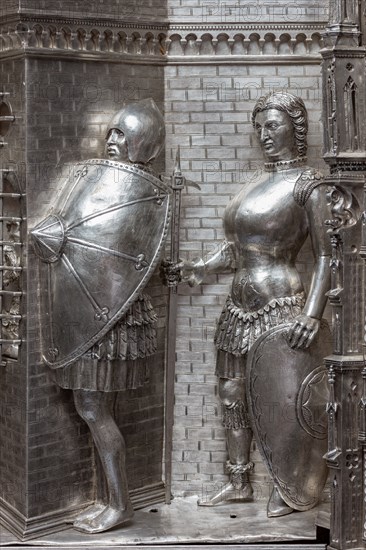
x: 171, y: 274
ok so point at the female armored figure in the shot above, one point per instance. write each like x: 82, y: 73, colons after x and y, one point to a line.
x: 266, y: 225
x: 117, y: 361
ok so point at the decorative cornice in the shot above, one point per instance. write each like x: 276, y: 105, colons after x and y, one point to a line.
x: 269, y: 27
x: 149, y: 42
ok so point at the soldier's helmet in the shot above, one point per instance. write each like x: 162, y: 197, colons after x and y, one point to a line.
x: 143, y: 126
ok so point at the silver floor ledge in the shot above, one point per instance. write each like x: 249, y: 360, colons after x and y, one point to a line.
x: 183, y: 522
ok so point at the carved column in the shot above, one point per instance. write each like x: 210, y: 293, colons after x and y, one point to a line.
x: 344, y: 115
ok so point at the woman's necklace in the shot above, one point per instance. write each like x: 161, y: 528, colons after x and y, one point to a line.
x: 284, y: 164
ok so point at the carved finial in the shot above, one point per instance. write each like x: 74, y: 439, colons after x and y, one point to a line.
x: 331, y: 406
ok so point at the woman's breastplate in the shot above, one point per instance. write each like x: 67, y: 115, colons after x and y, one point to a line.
x: 268, y: 229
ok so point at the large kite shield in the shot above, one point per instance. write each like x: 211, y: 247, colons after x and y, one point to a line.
x: 99, y: 247
x: 287, y: 392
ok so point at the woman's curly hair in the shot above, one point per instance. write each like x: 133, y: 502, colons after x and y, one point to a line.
x: 296, y: 110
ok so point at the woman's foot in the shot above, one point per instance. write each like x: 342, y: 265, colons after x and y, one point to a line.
x: 276, y: 506
x: 108, y: 518
x: 228, y: 492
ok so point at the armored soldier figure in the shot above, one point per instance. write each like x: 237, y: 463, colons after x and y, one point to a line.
x: 266, y: 225
x: 105, y: 209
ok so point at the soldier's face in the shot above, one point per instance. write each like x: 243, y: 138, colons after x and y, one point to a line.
x: 116, y: 145
x: 276, y: 135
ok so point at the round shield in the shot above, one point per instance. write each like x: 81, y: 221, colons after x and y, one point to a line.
x: 98, y: 249
x: 287, y: 395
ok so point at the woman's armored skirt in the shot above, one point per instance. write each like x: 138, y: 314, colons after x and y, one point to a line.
x: 237, y: 330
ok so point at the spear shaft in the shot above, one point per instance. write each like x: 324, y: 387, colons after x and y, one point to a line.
x: 177, y: 184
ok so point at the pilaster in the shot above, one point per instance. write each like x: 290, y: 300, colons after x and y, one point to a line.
x: 344, y: 113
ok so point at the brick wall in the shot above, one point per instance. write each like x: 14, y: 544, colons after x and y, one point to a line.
x: 224, y: 11
x: 146, y: 10
x: 8, y: 6
x: 208, y: 108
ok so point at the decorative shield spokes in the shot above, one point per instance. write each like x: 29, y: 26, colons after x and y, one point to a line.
x: 98, y: 248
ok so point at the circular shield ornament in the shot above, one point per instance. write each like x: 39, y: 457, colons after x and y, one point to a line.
x: 98, y: 249
x: 311, y: 413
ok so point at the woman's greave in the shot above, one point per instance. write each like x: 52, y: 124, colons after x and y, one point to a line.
x: 239, y: 437
x: 238, y: 431
x: 235, y: 415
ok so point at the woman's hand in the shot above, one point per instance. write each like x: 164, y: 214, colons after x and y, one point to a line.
x: 183, y: 271
x: 303, y: 331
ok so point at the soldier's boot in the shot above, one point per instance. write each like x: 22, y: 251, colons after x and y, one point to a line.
x: 276, y: 506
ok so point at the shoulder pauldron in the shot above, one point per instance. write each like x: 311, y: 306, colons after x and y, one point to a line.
x: 305, y: 184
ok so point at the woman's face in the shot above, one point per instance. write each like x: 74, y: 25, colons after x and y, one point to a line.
x: 116, y: 145
x: 276, y: 135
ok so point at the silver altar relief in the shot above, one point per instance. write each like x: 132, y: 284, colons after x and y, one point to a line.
x: 266, y: 225
x: 87, y: 325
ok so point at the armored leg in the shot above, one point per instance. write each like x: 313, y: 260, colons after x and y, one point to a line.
x: 93, y: 407
x: 238, y: 439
